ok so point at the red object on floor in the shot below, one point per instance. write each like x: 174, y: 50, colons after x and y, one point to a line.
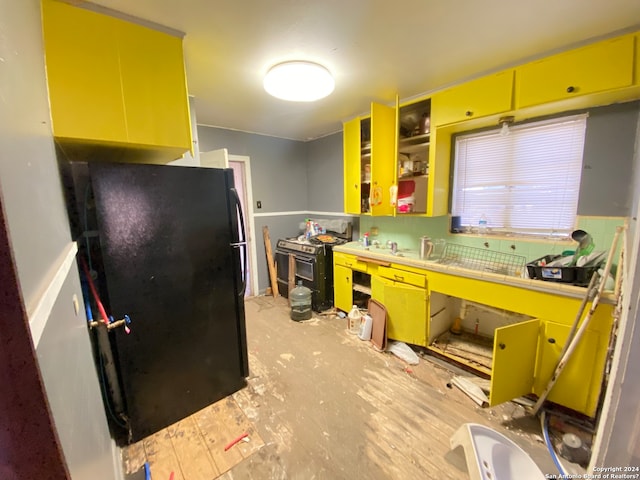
x: 233, y: 442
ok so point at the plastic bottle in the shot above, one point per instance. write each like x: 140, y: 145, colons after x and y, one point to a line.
x: 354, y: 319
x: 482, y: 224
x: 300, y: 297
x: 365, y: 240
x: 366, y: 326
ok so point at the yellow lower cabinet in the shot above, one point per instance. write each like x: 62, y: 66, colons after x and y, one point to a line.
x: 514, y: 361
x: 406, y: 308
x: 342, y: 288
x: 578, y: 386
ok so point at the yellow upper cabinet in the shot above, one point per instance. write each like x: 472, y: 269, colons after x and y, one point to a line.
x: 478, y: 98
x: 82, y: 60
x: 605, y: 65
x: 114, y: 82
x: 370, y: 153
x: 637, y: 61
x: 353, y: 175
x: 154, y: 87
x: 384, y: 152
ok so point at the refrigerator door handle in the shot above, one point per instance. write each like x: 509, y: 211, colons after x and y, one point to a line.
x: 242, y: 241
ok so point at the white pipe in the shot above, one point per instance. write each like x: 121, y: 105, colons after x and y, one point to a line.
x: 576, y: 340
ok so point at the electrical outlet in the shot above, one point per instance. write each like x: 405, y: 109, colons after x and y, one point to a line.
x: 259, y: 204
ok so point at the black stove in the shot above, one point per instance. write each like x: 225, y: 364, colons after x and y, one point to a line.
x: 314, y: 267
x: 301, y: 246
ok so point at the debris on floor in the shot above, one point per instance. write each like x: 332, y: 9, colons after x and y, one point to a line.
x: 473, y: 391
x: 403, y: 351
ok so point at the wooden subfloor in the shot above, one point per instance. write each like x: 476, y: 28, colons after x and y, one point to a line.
x: 322, y: 404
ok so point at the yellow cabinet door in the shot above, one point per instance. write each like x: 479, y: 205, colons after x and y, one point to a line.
x: 439, y: 169
x: 595, y: 68
x: 514, y: 361
x: 406, y: 308
x: 637, y: 61
x: 578, y: 386
x: 478, y: 98
x: 351, y: 150
x: 384, y: 154
x: 342, y: 288
x: 154, y: 87
x: 83, y: 73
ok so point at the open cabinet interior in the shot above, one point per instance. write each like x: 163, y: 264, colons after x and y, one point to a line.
x: 413, y: 157
x: 465, y: 330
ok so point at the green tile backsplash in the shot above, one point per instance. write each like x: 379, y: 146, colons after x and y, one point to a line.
x: 406, y: 231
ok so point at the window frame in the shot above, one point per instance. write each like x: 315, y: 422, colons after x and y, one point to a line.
x: 503, y: 217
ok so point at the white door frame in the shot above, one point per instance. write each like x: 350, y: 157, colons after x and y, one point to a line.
x: 250, y: 222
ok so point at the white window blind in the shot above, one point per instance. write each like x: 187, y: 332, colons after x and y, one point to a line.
x: 526, y: 182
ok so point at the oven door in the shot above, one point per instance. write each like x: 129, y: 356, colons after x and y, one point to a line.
x: 305, y: 270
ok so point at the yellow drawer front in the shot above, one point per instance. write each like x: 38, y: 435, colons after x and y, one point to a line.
x: 603, y: 66
x: 474, y: 99
x: 403, y: 276
x: 349, y: 261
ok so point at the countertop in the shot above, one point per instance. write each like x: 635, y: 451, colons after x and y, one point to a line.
x: 412, y: 258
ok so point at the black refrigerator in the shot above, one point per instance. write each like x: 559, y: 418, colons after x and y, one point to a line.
x: 173, y: 247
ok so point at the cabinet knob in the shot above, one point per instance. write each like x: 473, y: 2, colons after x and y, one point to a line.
x: 502, y: 346
x: 551, y: 340
x: 468, y: 113
x: 571, y: 89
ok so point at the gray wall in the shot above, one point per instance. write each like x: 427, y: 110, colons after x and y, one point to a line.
x: 606, y: 188
x: 278, y: 166
x: 39, y: 231
x: 326, y: 174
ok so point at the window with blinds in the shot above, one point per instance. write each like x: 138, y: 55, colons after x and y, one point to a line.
x: 525, y: 182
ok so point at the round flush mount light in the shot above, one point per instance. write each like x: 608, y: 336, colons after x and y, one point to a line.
x: 299, y: 81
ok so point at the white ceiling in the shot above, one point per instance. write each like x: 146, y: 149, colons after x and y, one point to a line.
x: 375, y: 49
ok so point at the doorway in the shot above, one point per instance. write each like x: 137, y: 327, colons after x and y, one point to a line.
x: 241, y: 166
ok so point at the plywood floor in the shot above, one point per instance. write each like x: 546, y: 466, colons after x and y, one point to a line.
x: 321, y: 404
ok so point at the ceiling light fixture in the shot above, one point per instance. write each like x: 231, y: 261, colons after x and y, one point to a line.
x: 299, y: 81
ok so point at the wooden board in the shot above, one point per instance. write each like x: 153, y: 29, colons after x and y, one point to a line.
x: 473, y: 349
x: 379, y: 328
x: 273, y: 275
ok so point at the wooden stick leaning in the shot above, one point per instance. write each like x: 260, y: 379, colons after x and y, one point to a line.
x: 564, y: 359
x: 270, y: 264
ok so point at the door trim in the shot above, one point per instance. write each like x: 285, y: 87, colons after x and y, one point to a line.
x: 250, y: 221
